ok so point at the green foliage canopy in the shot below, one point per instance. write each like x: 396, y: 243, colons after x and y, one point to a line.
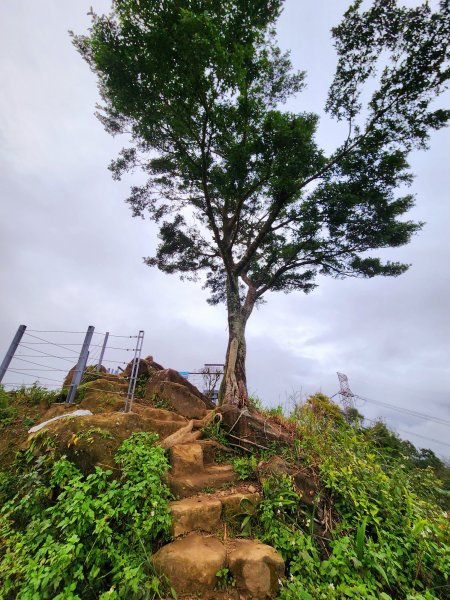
x: 239, y: 186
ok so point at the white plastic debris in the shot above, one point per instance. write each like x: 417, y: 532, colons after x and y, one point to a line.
x: 75, y: 413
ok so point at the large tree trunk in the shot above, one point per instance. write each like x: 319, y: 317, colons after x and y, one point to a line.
x: 233, y: 389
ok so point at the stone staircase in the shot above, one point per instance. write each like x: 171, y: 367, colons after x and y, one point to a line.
x: 209, y: 500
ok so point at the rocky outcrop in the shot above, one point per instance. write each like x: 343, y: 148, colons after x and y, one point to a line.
x: 103, y: 395
x: 152, y: 364
x: 91, y: 441
x: 144, y: 369
x: 177, y: 398
x: 175, y: 377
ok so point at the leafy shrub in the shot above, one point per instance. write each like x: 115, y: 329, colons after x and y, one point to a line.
x: 141, y: 386
x: 245, y: 466
x: 68, y: 536
x: 34, y: 394
x: 7, y: 415
x: 389, y: 539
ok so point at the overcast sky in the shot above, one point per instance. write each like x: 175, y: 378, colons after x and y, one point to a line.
x: 71, y: 255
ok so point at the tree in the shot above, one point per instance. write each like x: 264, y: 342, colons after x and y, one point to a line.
x: 211, y: 375
x: 238, y: 185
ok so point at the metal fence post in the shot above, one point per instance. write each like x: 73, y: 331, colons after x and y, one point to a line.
x: 102, y: 353
x: 11, y: 351
x: 81, y: 365
x: 134, y: 371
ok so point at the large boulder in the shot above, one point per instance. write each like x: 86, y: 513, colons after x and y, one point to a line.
x: 91, y: 441
x: 144, y: 369
x: 170, y: 375
x: 250, y: 429
x: 103, y: 395
x: 175, y: 397
x: 191, y: 564
x: 256, y: 567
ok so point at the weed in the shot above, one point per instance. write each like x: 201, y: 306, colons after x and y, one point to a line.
x: 225, y: 579
x: 8, y: 415
x: 90, y: 434
x: 161, y: 403
x: 245, y: 466
x: 213, y: 431
x: 255, y: 403
x: 141, y: 386
x: 34, y: 394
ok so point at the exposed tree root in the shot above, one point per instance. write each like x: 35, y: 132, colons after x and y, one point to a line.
x: 186, y: 435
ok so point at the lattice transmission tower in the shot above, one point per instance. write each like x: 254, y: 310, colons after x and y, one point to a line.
x: 347, y: 397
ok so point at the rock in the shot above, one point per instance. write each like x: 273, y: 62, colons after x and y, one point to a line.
x: 177, y: 398
x: 197, y: 513
x: 251, y: 489
x: 92, y: 441
x: 143, y: 369
x: 191, y: 564
x: 256, y: 567
x: 173, y: 376
x: 252, y: 427
x: 152, y: 364
x: 103, y: 395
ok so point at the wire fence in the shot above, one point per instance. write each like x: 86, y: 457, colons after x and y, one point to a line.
x: 45, y: 357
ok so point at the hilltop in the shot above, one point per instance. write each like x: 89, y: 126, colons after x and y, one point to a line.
x: 180, y: 498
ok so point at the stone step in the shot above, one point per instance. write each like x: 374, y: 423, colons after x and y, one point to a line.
x: 211, y: 449
x: 199, y: 513
x: 187, y: 483
x: 187, y: 458
x: 191, y: 564
x: 196, y: 455
x: 205, y: 512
